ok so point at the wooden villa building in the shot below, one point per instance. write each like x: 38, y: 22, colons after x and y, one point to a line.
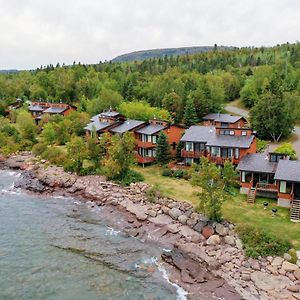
x: 272, y: 175
x: 145, y: 133
x: 227, y: 141
x: 40, y: 108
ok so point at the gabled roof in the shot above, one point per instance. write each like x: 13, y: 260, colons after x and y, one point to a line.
x: 35, y: 108
x: 198, y: 134
x: 225, y: 118
x: 151, y: 129
x: 109, y: 114
x: 127, y: 126
x: 288, y: 170
x: 206, y: 134
x: 55, y: 110
x: 236, y: 141
x: 257, y: 162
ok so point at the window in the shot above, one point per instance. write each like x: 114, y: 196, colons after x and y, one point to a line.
x: 149, y: 139
x: 189, y: 146
x: 215, y: 151
x: 282, y: 188
x: 246, y: 176
x: 188, y: 161
x: 243, y: 176
x: 231, y: 132
x: 154, y: 139
x: 236, y: 153
x: 224, y: 125
x: 244, y: 132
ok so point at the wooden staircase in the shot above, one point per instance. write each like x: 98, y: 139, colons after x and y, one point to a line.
x: 295, y: 211
x: 251, y: 195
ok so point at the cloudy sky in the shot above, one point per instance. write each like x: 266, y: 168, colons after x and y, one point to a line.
x: 39, y: 32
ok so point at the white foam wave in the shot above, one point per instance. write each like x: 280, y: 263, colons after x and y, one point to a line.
x: 111, y: 231
x: 181, y: 293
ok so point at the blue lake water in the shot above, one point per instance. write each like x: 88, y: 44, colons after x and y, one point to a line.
x: 59, y: 248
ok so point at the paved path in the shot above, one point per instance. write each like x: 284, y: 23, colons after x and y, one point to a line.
x: 272, y: 146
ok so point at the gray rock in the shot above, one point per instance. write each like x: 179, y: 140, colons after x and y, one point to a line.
x: 239, y: 244
x: 182, y: 219
x: 221, y: 229
x: 230, y: 240
x: 190, y: 234
x: 161, y: 220
x: 199, y: 226
x: 191, y: 222
x: 173, y: 228
x: 213, y: 240
x: 174, y: 213
x: 287, y: 257
x: 277, y: 261
x: 152, y: 213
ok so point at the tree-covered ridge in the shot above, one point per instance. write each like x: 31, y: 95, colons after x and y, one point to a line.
x: 208, y: 80
x: 156, y: 53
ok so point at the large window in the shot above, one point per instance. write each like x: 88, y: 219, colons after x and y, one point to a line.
x: 285, y: 187
x: 246, y: 176
x: 236, y: 153
x: 189, y: 146
x: 215, y: 151
x: 188, y: 161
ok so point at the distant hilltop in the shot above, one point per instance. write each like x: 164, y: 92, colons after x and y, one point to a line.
x: 8, y: 71
x: 156, y: 53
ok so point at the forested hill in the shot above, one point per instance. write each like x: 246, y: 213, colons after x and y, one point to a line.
x: 8, y: 71
x: 157, y: 53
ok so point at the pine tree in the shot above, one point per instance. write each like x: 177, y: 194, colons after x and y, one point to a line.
x: 190, y: 115
x: 162, y: 149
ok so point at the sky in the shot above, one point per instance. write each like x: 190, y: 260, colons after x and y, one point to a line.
x: 41, y: 32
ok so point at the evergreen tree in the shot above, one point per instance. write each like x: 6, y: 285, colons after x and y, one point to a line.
x: 179, y: 147
x: 162, y: 149
x: 190, y: 115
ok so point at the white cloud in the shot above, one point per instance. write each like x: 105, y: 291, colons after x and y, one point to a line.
x: 35, y: 32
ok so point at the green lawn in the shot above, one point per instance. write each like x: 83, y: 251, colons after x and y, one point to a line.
x: 237, y: 210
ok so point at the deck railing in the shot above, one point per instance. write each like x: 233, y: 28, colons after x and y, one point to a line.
x: 267, y: 187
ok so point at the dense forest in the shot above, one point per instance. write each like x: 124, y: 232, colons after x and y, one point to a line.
x: 266, y: 79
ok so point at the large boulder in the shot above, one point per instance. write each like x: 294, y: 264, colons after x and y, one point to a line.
x: 161, y: 220
x: 270, y: 282
x: 277, y: 261
x: 289, y: 267
x: 190, y: 234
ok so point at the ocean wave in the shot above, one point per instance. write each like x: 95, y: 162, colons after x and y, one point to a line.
x: 181, y: 293
x: 111, y: 231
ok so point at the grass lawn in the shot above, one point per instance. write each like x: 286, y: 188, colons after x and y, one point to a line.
x: 237, y: 210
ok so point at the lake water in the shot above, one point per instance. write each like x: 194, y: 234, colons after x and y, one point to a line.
x: 59, y: 248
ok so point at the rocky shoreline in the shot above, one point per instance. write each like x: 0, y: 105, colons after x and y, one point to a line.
x: 205, y: 258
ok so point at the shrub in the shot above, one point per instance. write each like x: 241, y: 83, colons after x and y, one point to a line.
x: 131, y: 176
x: 153, y: 193
x: 39, y: 148
x: 178, y: 173
x: 55, y: 156
x: 260, y: 243
x: 294, y: 257
x: 167, y: 173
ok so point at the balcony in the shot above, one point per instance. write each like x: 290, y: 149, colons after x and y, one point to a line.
x: 267, y: 187
x: 144, y: 159
x: 221, y: 160
x: 142, y: 144
x: 192, y: 154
